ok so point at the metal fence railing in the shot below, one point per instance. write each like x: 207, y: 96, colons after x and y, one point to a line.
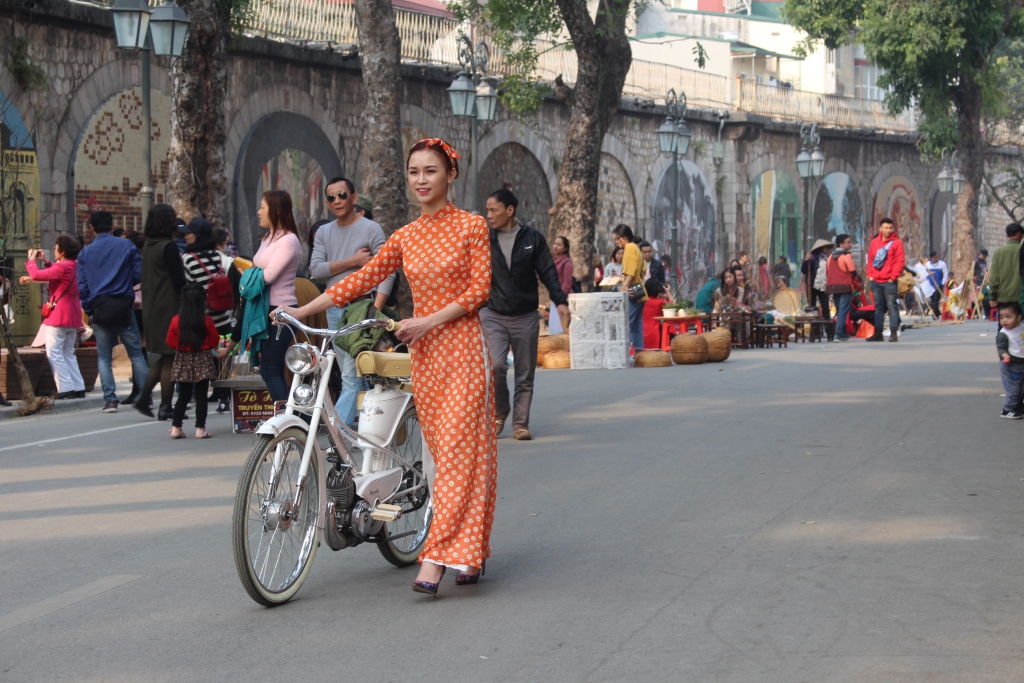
x: 430, y: 39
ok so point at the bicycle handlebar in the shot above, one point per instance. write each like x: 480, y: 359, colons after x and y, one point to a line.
x: 386, y: 323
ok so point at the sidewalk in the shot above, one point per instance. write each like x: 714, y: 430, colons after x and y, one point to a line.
x: 92, y: 401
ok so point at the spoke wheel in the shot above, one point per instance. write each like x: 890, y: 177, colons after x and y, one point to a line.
x: 274, y: 546
x: 401, y: 542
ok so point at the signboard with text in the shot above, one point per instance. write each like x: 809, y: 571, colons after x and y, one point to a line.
x: 250, y: 407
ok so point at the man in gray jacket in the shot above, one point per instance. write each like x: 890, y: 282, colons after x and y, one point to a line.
x: 340, y: 249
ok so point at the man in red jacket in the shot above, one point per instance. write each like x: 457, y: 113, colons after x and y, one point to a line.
x: 886, y: 261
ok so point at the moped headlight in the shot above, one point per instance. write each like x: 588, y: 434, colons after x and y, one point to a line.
x: 304, y: 394
x: 302, y: 359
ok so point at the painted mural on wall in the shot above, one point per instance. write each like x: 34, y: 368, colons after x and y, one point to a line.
x: 20, y: 194
x: 696, y: 204
x: 897, y: 198
x: 301, y: 176
x: 775, y: 214
x: 616, y: 204
x: 108, y: 167
x: 838, y: 210
x: 512, y: 166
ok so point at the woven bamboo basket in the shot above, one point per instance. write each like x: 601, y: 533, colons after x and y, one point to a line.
x: 719, y: 342
x: 556, y: 360
x: 565, y: 340
x: 689, y: 349
x: 546, y: 345
x: 786, y: 301
x: 651, y: 359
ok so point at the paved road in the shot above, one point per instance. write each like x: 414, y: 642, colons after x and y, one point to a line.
x: 823, y: 513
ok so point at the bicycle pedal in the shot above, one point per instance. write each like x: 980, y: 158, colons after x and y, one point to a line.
x: 386, y: 513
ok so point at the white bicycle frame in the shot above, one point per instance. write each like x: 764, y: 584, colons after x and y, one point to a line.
x: 322, y: 412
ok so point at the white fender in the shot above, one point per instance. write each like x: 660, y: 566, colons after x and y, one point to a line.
x: 277, y: 424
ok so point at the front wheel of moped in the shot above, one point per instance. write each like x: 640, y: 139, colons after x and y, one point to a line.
x: 274, y: 544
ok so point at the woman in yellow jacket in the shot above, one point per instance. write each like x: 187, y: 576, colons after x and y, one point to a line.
x: 632, y: 273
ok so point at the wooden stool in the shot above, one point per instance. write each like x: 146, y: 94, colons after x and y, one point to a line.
x: 767, y: 335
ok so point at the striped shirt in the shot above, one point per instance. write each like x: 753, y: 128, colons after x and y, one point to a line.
x: 195, y: 272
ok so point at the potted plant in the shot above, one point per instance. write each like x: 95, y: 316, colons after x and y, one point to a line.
x: 668, y: 310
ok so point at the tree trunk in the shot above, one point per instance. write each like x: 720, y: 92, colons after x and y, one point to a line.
x: 30, y: 403
x: 970, y: 149
x: 196, y: 183
x: 381, y: 159
x: 603, y: 55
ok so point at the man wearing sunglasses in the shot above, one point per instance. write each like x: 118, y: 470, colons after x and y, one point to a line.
x: 339, y: 249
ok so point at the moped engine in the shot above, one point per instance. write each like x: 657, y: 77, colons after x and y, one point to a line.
x: 341, y: 493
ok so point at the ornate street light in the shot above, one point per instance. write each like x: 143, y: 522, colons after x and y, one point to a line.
x: 809, y: 165
x: 475, y: 97
x: 131, y: 24
x: 462, y: 94
x: 952, y: 182
x: 486, y: 99
x: 674, y: 139
x: 169, y: 27
x: 162, y: 31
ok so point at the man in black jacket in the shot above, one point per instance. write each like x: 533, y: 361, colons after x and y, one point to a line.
x: 655, y: 269
x: 519, y: 255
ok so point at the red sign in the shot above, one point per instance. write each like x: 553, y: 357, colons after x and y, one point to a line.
x: 250, y: 407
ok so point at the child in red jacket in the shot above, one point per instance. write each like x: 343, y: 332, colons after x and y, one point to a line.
x: 194, y: 338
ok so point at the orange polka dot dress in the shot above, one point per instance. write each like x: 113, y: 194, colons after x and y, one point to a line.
x: 447, y: 258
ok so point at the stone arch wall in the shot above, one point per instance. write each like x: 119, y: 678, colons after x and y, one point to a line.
x: 616, y: 202
x: 894, y: 188
x: 272, y: 99
x: 508, y: 131
x: 105, y: 82
x: 269, y: 136
x: 512, y: 166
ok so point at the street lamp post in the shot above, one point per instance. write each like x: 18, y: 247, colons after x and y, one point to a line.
x: 674, y: 139
x: 141, y: 30
x: 810, y: 165
x: 952, y: 182
x: 473, y: 95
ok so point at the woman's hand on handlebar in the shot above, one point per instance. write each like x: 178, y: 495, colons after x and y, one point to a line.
x: 414, y: 329
x: 293, y: 312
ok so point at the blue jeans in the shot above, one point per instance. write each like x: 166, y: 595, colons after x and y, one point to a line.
x: 106, y: 340
x: 636, y: 324
x: 884, y: 294
x: 843, y: 303
x: 351, y: 382
x: 272, y: 363
x: 1012, y: 375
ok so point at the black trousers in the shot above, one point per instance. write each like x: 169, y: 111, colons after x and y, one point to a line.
x: 185, y: 390
x: 820, y: 299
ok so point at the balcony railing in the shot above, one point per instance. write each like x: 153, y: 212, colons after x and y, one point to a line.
x: 832, y: 110
x: 431, y: 40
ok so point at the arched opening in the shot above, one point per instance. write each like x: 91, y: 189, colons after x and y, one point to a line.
x: 838, y: 211
x: 513, y: 167
x: 775, y: 214
x: 897, y: 198
x: 616, y: 203
x: 695, y: 219
x: 283, y: 151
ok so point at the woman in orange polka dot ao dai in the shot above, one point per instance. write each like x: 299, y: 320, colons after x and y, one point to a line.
x: 446, y: 256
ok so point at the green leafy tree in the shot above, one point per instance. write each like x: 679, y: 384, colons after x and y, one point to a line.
x: 520, y: 31
x: 938, y: 55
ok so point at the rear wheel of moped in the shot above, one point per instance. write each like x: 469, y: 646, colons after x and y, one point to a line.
x: 274, y: 545
x: 401, y: 541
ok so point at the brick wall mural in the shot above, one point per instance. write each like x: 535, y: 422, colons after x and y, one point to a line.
x: 109, y: 170
x: 696, y: 205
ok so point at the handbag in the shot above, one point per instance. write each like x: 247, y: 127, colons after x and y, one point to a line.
x: 47, y: 309
x: 636, y: 292
x: 219, y: 297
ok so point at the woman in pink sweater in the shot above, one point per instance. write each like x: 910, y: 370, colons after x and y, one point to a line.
x: 278, y: 256
x: 66, y: 315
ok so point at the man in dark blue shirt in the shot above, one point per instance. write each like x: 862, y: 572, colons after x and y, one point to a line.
x: 108, y: 270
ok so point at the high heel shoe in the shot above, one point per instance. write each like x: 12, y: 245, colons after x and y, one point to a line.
x: 466, y: 579
x: 428, y: 587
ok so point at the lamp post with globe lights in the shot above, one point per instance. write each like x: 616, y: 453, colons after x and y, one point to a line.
x: 160, y: 31
x: 809, y: 165
x: 952, y: 182
x: 674, y: 138
x: 473, y: 95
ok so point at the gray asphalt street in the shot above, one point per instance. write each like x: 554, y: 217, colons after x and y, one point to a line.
x: 823, y: 513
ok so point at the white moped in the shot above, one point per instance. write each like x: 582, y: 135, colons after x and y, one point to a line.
x: 304, y: 481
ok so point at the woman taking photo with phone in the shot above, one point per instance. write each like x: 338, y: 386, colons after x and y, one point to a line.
x: 446, y: 255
